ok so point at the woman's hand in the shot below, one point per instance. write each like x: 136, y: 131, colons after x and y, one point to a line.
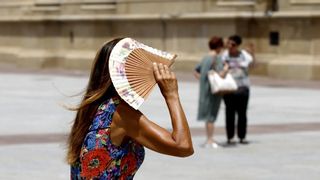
x: 196, y: 75
x: 225, y: 70
x: 166, y: 80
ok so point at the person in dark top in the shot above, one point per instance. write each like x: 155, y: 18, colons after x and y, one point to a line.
x: 237, y: 102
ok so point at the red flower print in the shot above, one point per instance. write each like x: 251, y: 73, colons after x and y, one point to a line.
x: 94, y: 162
x: 128, y: 166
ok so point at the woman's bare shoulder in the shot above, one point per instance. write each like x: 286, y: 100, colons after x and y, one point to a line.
x: 125, y: 114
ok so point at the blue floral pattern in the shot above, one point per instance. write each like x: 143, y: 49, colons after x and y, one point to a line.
x: 99, y: 158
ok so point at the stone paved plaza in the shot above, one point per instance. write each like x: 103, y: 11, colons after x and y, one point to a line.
x: 284, y: 131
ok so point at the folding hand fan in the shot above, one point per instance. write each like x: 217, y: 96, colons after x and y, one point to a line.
x: 131, y: 69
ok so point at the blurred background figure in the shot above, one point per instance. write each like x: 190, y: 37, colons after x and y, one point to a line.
x: 209, y: 103
x: 237, y: 102
x: 250, y: 48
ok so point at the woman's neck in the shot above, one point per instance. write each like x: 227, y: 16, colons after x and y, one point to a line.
x: 213, y: 52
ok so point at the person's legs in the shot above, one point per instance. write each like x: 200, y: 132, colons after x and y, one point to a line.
x: 209, y: 130
x: 215, y: 102
x: 210, y: 143
x: 230, y: 115
x: 243, y: 98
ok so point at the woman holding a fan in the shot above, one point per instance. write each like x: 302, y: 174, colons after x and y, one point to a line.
x: 108, y: 136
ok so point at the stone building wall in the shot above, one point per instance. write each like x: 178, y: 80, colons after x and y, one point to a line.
x: 67, y: 33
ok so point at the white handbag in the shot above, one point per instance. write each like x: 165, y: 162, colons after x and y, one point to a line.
x: 221, y: 85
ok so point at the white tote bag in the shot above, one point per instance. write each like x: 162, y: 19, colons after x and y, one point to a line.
x: 221, y: 85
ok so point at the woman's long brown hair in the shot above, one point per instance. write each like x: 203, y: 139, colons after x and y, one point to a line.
x: 98, y: 90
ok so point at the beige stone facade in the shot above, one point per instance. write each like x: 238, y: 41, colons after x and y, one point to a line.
x: 67, y: 33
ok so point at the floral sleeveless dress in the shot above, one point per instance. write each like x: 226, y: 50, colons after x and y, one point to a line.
x: 99, y: 158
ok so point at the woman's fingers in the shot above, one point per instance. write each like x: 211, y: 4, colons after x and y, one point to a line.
x: 167, y: 72
x: 166, y: 80
x: 156, y: 71
x: 161, y: 71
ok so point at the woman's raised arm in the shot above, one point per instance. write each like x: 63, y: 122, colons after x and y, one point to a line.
x: 135, y: 125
